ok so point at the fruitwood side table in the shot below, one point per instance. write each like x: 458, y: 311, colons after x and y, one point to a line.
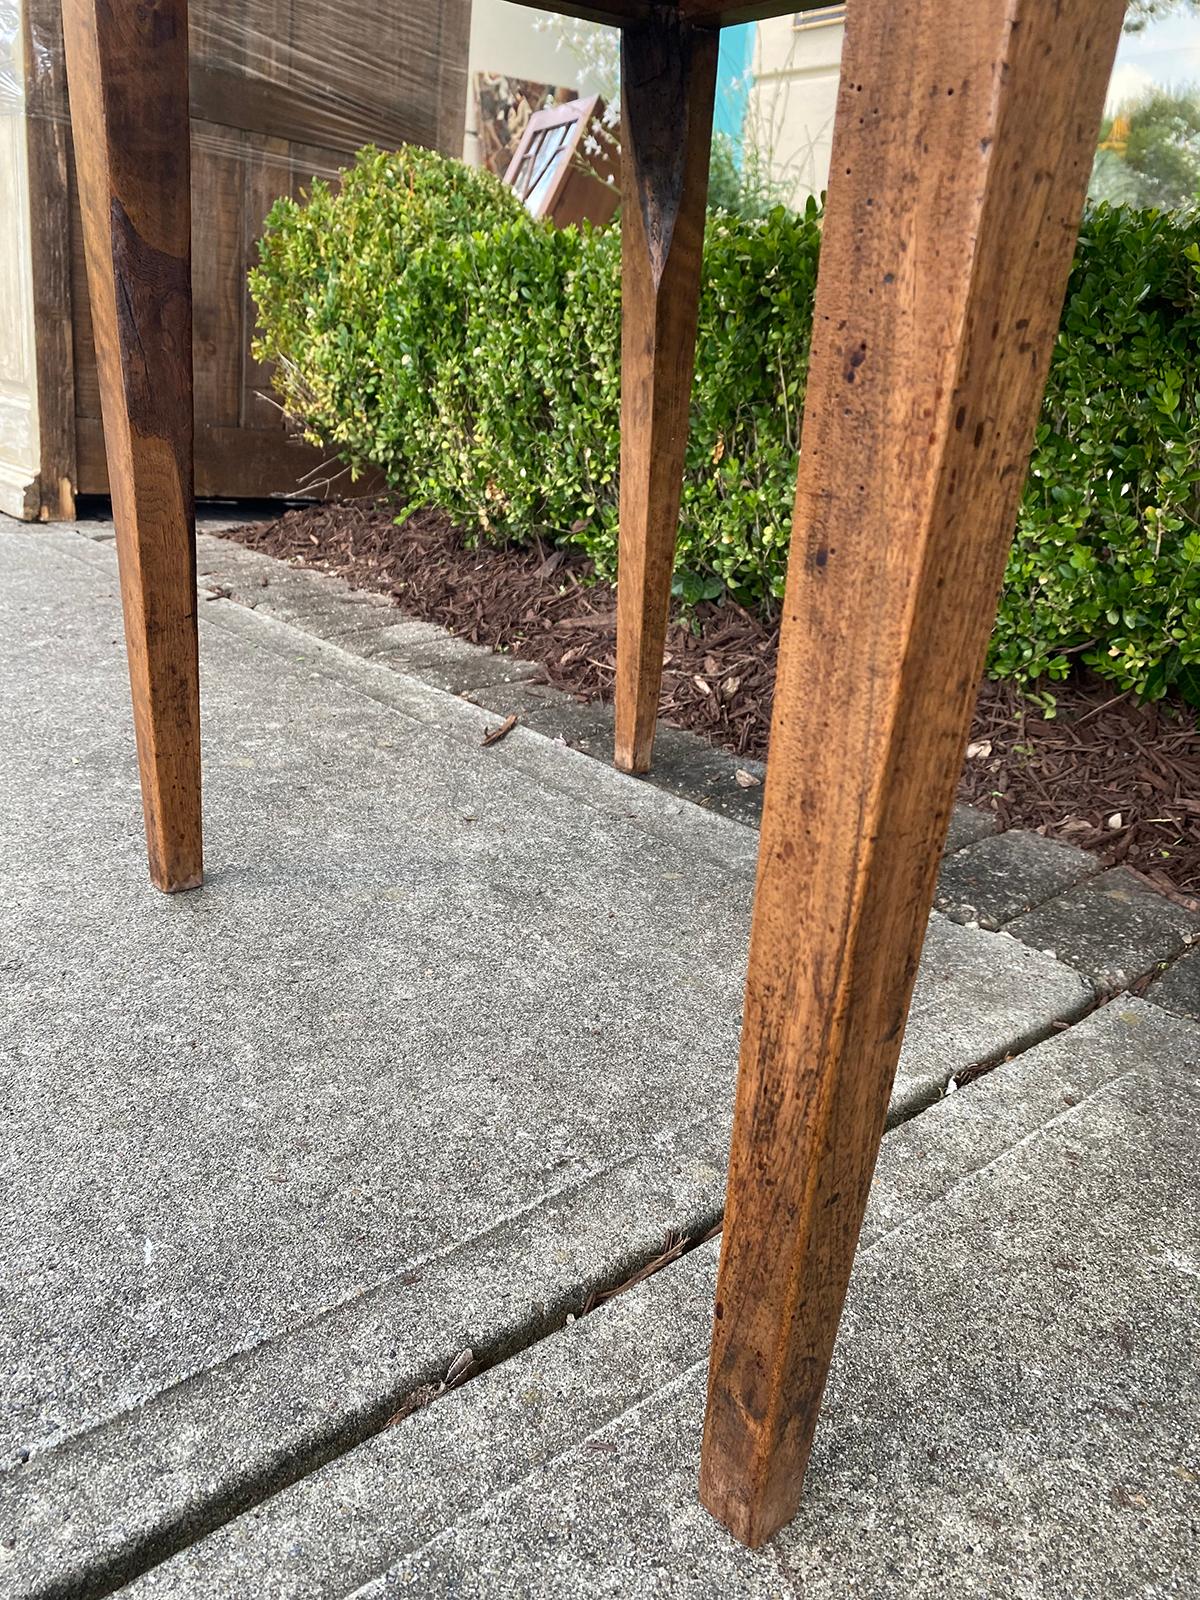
x: 962, y: 146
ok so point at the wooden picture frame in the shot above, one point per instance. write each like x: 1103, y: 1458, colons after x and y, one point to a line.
x: 555, y: 176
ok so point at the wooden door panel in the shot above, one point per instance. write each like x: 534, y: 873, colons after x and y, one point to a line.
x: 220, y: 158
x: 280, y: 90
x: 268, y: 176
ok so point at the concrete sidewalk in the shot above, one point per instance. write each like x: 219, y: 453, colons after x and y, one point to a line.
x: 445, y: 1044
x: 1012, y: 1409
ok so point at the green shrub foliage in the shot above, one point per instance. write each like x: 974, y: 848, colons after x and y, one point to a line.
x: 1105, y: 567
x: 424, y: 325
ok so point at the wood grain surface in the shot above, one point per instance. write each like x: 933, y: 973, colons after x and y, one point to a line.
x: 963, y: 142
x: 668, y: 75
x: 128, y: 72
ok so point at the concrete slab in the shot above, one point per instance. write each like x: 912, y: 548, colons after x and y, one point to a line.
x: 1114, y: 927
x: 684, y: 764
x: 316, y: 601
x: 368, y: 625
x: 1013, y: 1407
x: 447, y: 1040
x: 995, y: 879
x: 1179, y: 987
x: 965, y: 968
x: 967, y: 824
x: 363, y: 623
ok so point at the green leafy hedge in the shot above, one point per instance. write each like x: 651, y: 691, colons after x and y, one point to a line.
x: 1106, y: 562
x: 423, y: 324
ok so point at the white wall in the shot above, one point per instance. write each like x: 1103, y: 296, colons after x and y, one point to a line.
x: 792, y: 100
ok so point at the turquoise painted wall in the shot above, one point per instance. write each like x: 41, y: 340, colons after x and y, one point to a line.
x: 733, y: 80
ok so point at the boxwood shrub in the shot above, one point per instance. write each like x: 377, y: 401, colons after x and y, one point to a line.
x: 422, y: 324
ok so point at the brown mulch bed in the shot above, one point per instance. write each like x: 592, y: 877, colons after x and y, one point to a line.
x: 1106, y: 773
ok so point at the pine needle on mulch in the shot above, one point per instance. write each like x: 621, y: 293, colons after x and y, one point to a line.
x: 1105, y: 773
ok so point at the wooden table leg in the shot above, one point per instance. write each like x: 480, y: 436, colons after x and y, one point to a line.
x: 127, y: 69
x: 962, y: 146
x: 668, y: 73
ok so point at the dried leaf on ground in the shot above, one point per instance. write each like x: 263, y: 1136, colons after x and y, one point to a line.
x: 494, y: 735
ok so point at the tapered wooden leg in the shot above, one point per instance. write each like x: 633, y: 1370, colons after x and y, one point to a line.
x: 963, y: 142
x: 668, y: 73
x: 127, y: 68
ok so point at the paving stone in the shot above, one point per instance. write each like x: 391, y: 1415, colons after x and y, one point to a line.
x: 688, y: 765
x: 447, y: 1039
x: 450, y: 664
x: 319, y: 602
x: 361, y: 622
x: 976, y: 988
x: 587, y: 727
x: 997, y: 878
x: 684, y: 764
x: 1114, y: 927
x: 1179, y: 987
x: 967, y: 824
x: 1012, y: 1408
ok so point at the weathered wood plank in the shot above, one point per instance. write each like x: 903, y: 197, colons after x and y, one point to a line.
x: 308, y: 111
x: 268, y: 175
x: 236, y: 462
x: 668, y: 75
x: 220, y: 160
x: 963, y: 143
x: 128, y: 71
x: 724, y: 13
x: 703, y: 13
x: 454, y: 23
x: 617, y: 13
x: 48, y: 138
x: 397, y: 74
